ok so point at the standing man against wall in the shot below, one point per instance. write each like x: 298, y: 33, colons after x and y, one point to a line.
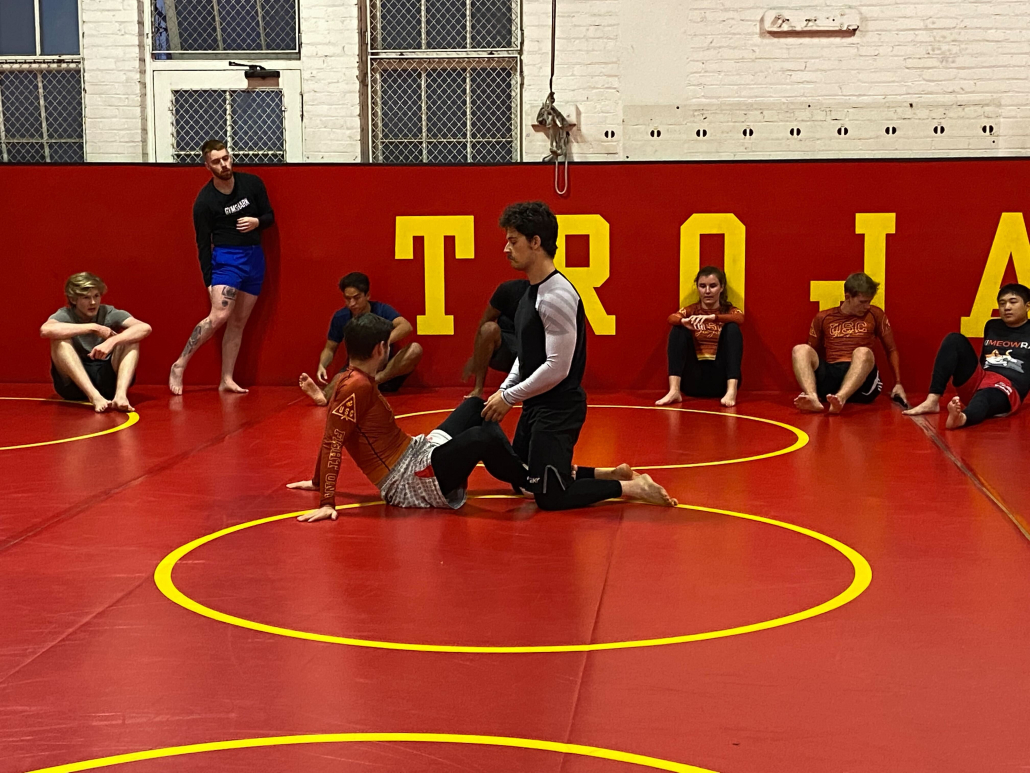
x: 229, y: 214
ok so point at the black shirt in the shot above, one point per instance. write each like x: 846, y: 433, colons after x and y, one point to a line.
x: 215, y: 215
x: 1006, y: 351
x: 507, y: 296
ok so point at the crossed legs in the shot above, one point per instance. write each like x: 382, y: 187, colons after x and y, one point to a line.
x: 229, y: 307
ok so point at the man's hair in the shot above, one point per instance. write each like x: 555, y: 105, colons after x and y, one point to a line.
x: 719, y: 274
x: 80, y: 284
x: 860, y: 284
x: 357, y: 280
x: 362, y: 335
x: 210, y: 145
x: 533, y: 218
x: 1015, y: 288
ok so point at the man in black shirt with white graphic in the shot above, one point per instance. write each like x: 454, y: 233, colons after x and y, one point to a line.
x: 996, y: 383
x: 229, y: 214
x: 550, y: 332
x: 495, y: 337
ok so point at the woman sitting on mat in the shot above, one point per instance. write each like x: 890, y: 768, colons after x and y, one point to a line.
x: 705, y: 344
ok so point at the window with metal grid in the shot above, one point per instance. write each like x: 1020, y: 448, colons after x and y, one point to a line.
x: 250, y: 122
x: 198, y: 27
x: 41, y: 115
x: 444, y: 81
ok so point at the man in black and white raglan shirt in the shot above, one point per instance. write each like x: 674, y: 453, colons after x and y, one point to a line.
x: 550, y: 329
x: 228, y: 216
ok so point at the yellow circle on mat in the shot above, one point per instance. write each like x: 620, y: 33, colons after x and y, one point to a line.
x: 800, y: 437
x: 863, y: 576
x: 133, y: 417
x: 291, y: 740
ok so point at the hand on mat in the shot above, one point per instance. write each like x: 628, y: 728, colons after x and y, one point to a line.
x: 303, y: 485
x: 102, y: 351
x: 245, y: 224
x: 319, y: 515
x: 496, y: 408
x: 899, y: 392
x: 321, y: 375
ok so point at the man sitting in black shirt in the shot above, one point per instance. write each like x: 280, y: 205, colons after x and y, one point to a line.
x: 551, y: 354
x: 495, y: 337
x: 229, y: 214
x: 995, y: 383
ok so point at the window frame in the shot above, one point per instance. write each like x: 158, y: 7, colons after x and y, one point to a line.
x: 180, y: 55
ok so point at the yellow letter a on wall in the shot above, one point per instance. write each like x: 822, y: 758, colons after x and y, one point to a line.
x: 1010, y: 240
x: 433, y: 229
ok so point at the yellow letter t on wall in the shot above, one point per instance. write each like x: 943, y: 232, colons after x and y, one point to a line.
x: 433, y: 229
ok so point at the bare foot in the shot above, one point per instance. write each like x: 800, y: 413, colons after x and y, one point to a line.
x: 645, y: 489
x: 956, y: 417
x: 808, y: 403
x: 175, y: 378
x: 474, y: 393
x: 624, y: 472
x: 932, y: 404
x: 311, y: 389
x: 728, y: 400
x: 303, y: 485
x: 836, y: 404
x: 228, y: 385
x: 674, y: 396
x: 100, y: 403
x: 121, y: 403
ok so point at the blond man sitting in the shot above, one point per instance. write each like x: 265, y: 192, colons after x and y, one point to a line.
x: 94, y: 348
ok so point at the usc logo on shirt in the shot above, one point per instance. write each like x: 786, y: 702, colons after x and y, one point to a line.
x: 849, y: 328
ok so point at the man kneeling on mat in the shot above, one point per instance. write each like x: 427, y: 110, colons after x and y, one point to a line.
x: 997, y: 382
x: 848, y: 370
x: 423, y: 471
x: 94, y: 348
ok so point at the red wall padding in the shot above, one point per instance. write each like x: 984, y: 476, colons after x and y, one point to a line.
x: 131, y: 224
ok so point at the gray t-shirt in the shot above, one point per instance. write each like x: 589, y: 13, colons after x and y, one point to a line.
x: 108, y: 316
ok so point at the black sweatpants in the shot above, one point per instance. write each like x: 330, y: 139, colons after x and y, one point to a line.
x: 474, y: 441
x: 705, y: 378
x: 957, y: 361
x: 545, y: 438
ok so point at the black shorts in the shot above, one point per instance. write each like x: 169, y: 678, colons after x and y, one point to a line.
x: 101, y: 373
x: 546, y: 437
x: 504, y: 357
x: 830, y: 375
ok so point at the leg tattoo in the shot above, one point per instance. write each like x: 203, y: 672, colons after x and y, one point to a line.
x: 228, y: 294
x: 198, y: 331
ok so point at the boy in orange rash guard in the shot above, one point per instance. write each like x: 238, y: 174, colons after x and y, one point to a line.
x: 705, y: 346
x: 848, y: 369
x: 422, y: 471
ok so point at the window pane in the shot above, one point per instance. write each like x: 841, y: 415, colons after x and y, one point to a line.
x: 199, y: 117
x: 59, y: 26
x: 400, y: 24
x: 193, y: 25
x: 445, y: 104
x: 20, y: 94
x: 402, y: 152
x: 280, y: 20
x: 447, y: 153
x: 239, y: 24
x: 492, y: 152
x: 491, y: 90
x: 26, y: 153
x: 66, y: 152
x: 257, y: 121
x: 401, y: 104
x: 62, y: 101
x: 492, y: 24
x: 446, y: 25
x: 259, y: 158
x: 17, y: 28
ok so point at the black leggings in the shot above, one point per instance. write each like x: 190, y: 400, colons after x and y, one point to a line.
x: 957, y: 361
x: 705, y: 378
x: 474, y: 441
x: 583, y: 491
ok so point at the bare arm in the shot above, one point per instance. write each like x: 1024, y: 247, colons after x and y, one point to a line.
x: 133, y: 331
x: 62, y: 331
x: 401, y: 330
x: 325, y: 359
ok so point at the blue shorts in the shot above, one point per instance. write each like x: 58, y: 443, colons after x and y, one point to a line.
x: 239, y: 267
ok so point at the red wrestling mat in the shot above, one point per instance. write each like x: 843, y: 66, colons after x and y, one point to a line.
x: 924, y: 670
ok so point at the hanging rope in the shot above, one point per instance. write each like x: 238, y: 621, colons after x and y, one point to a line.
x: 553, y: 121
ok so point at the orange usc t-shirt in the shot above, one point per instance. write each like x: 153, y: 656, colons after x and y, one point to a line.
x: 839, y: 334
x: 706, y: 340
x: 360, y: 422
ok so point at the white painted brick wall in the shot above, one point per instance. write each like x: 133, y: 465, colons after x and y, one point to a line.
x: 632, y: 68
x: 114, y: 80
x: 330, y: 59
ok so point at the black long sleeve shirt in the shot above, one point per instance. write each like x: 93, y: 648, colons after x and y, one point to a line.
x: 215, y: 215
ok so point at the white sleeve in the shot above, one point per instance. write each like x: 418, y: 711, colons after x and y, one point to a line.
x: 512, y: 378
x: 558, y: 311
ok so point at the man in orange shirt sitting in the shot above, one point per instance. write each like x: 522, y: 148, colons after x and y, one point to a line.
x: 847, y: 371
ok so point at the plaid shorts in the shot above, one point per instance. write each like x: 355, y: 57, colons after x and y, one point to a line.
x: 403, y: 488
